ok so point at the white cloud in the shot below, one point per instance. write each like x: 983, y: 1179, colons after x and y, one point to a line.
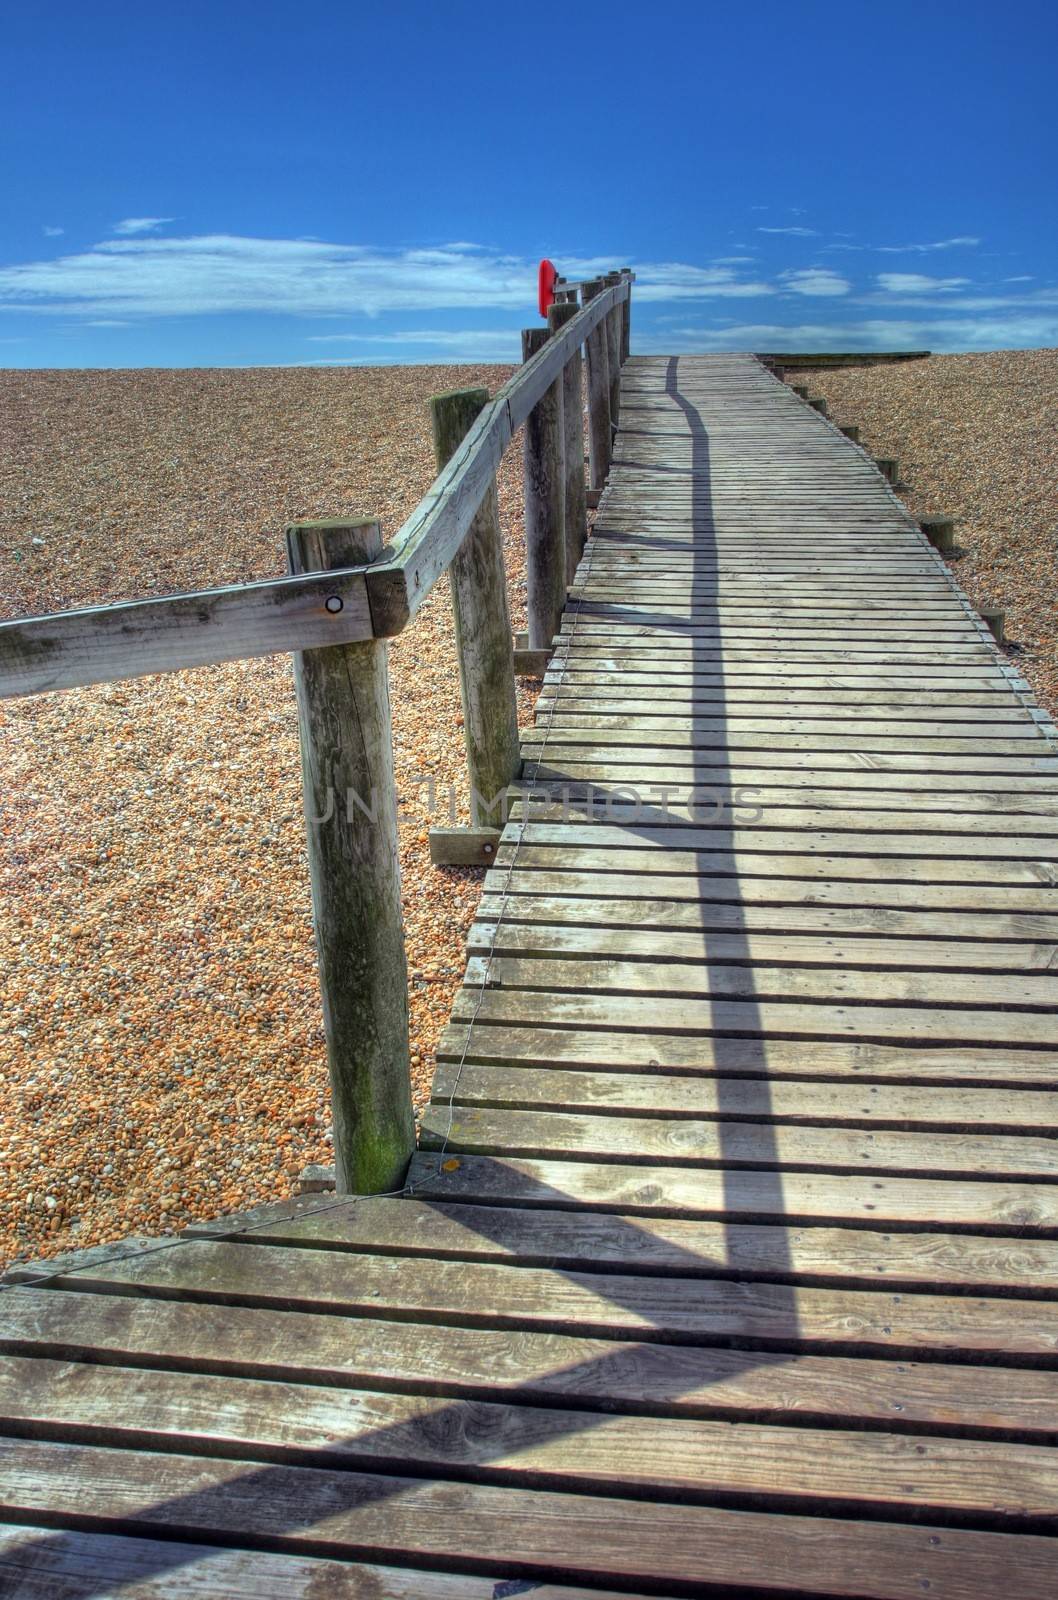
x: 815, y: 281
x: 962, y: 239
x: 917, y: 283
x: 1022, y: 277
x: 226, y: 273
x: 940, y: 334
x: 135, y: 225
x: 468, y: 344
x: 52, y: 233
x: 800, y: 233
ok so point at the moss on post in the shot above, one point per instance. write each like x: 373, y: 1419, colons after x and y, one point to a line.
x: 482, y: 621
x: 351, y: 819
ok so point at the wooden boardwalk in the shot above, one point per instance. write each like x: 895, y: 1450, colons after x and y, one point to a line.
x: 729, y: 1261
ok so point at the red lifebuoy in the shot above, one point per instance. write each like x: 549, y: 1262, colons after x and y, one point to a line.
x: 545, y: 296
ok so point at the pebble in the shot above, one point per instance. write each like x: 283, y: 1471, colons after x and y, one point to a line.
x: 160, y: 1028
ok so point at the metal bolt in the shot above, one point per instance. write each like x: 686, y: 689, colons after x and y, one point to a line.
x: 334, y: 603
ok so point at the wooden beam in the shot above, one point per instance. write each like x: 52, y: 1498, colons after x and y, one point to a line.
x: 464, y: 847
x: 613, y: 351
x: 351, y: 817
x: 482, y: 620
x: 576, y: 525
x: 545, y: 506
x: 940, y: 531
x: 600, y: 438
x: 102, y: 644
x: 425, y: 544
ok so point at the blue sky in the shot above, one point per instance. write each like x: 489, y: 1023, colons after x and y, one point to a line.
x: 264, y: 184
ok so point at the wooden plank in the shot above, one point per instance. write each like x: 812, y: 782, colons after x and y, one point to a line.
x: 99, y: 644
x: 538, y: 937
x: 692, y: 1310
x: 816, y: 834
x: 539, y: 1533
x: 749, y: 874
x: 743, y: 809
x: 704, y: 1142
x: 516, y: 905
x: 800, y: 1198
x: 532, y: 1447
x: 547, y: 1044
x: 70, y: 1564
x: 557, y: 1368
x: 845, y: 1105
x: 746, y: 1016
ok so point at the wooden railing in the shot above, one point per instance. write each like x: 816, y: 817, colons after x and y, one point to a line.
x: 346, y: 594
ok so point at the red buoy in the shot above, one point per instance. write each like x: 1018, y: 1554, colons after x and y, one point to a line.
x: 546, y: 276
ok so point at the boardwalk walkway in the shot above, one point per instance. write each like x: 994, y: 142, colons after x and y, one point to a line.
x: 729, y: 1261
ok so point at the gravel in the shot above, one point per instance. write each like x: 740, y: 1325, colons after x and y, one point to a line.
x: 161, y: 1052
x: 976, y: 436
x: 161, y: 1057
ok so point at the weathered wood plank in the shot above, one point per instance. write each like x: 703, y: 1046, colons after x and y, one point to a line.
x: 800, y: 1198
x: 509, y: 1531
x: 70, y: 1564
x: 614, y: 1304
x: 531, y: 1366
x: 528, y: 1446
x: 845, y: 1105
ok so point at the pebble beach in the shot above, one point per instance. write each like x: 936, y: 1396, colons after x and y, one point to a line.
x: 161, y: 1053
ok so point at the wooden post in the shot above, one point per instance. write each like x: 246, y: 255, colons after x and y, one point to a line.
x: 800, y: 389
x: 889, y: 467
x: 575, y: 523
x: 351, y: 818
x: 851, y: 431
x: 600, y: 438
x: 545, y: 540
x: 993, y: 619
x: 482, y: 620
x: 613, y: 350
x: 626, y: 318
x: 817, y: 403
x: 940, y: 531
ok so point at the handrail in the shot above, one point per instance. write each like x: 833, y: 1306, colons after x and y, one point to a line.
x: 349, y: 593
x: 99, y: 644
x: 424, y: 546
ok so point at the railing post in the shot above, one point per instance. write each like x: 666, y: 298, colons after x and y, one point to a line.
x: 545, y: 542
x: 576, y: 524
x: 351, y: 820
x: 613, y: 350
x: 482, y: 620
x: 600, y: 438
x: 626, y: 317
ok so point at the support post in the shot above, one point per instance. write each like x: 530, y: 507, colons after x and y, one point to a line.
x: 817, y: 403
x: 482, y: 621
x: 600, y: 438
x: 545, y: 541
x: 993, y: 619
x: 889, y: 467
x: 626, y: 318
x: 351, y: 819
x: 851, y: 431
x: 940, y: 531
x: 576, y: 524
x: 613, y: 351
